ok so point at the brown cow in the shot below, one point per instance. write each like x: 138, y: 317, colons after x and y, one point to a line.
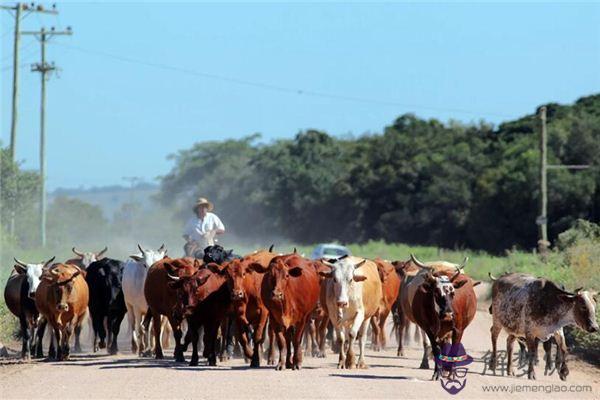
x: 390, y: 285
x: 162, y: 299
x: 204, y: 299
x: 248, y: 307
x: 62, y: 298
x: 440, y: 299
x: 290, y: 290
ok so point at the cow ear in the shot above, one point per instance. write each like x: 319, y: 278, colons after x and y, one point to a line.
x: 135, y: 257
x: 359, y: 278
x: 458, y: 285
x: 326, y: 274
x: 20, y: 269
x: 295, y: 272
x: 476, y: 283
x: 256, y: 267
x: 216, y: 268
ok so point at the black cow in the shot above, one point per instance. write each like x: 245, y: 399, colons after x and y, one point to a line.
x: 216, y: 254
x: 107, y: 304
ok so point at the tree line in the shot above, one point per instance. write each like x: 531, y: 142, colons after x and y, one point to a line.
x: 419, y: 181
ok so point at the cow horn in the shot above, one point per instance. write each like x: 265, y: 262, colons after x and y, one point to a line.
x: 329, y: 264
x: 140, y: 247
x: 464, y: 263
x: 100, y: 253
x: 161, y: 248
x: 54, y: 271
x: 492, y: 277
x: 455, y: 275
x: 271, y: 248
x: 360, y: 264
x: 417, y: 262
x: 50, y: 261
x: 295, y: 251
x: 578, y: 290
x: 80, y: 254
x: 562, y: 291
x: 21, y: 263
x: 342, y: 257
x: 173, y: 278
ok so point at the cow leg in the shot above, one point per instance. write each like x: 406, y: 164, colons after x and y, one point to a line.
x: 32, y: 325
x: 58, y: 340
x: 375, y: 344
x: 312, y: 336
x: 281, y: 345
x: 522, y: 353
x: 435, y: 349
x: 77, y: 346
x: 362, y: 336
x: 510, y: 341
x: 425, y: 360
x: 39, y: 336
x: 296, y: 335
x: 98, y: 325
x: 68, y: 332
x: 401, y: 326
x: 259, y: 338
x: 114, y: 324
x: 561, y: 354
x: 131, y: 320
x: 531, y: 348
x: 194, y: 337
x: 272, y: 339
x: 156, y: 329
x: 177, y: 334
x: 341, y: 338
x: 144, y: 326
x: 210, y: 342
x: 25, y: 336
x: 382, y: 333
x: 323, y: 322
x: 495, y: 331
x: 549, y: 363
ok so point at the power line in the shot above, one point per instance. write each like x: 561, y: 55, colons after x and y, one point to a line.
x: 277, y: 88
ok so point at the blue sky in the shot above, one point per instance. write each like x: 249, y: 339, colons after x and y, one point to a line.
x: 141, y: 81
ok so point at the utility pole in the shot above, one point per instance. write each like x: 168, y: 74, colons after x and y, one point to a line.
x: 44, y: 69
x: 542, y: 219
x: 18, y: 9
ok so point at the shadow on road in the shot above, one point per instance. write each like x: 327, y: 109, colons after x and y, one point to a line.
x: 362, y: 376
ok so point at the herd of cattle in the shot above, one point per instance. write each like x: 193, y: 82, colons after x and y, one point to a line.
x: 286, y: 298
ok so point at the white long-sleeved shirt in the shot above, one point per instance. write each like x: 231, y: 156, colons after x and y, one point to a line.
x: 203, y: 230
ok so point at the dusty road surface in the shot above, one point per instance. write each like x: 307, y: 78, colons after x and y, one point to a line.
x: 98, y: 376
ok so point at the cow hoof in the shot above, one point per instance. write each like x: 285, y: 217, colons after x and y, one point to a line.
x: 531, y: 375
x: 341, y: 365
x: 102, y: 344
x: 424, y: 365
x: 492, y: 365
x: 362, y: 365
x: 563, y: 373
x: 112, y: 351
x: 179, y: 358
x: 435, y: 376
x: 510, y: 372
x: 297, y: 367
x: 270, y: 362
x: 193, y: 363
x: 279, y: 367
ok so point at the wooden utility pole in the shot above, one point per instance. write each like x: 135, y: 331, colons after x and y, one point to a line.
x: 18, y: 9
x: 542, y: 219
x: 44, y: 69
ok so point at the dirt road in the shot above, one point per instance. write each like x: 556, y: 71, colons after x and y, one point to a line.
x: 95, y: 376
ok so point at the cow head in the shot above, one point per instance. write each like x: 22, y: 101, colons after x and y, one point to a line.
x: 111, y: 272
x: 236, y: 274
x: 192, y: 289
x: 343, y: 275
x: 217, y: 254
x: 33, y: 273
x: 442, y: 289
x: 61, y: 278
x: 281, y: 269
x: 88, y: 257
x: 149, y: 257
x: 584, y: 308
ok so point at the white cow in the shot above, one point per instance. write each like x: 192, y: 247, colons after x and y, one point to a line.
x: 353, y: 296
x: 134, y: 277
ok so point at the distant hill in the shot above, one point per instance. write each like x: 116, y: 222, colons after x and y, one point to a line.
x: 111, y: 198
